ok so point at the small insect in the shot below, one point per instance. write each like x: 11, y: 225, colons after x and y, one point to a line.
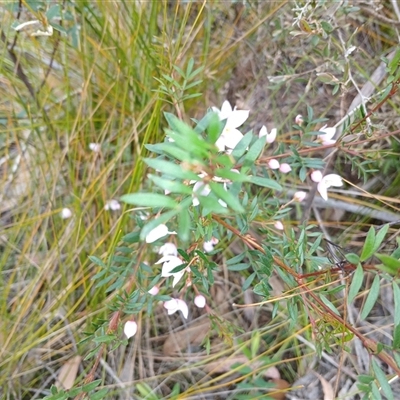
x: 336, y: 255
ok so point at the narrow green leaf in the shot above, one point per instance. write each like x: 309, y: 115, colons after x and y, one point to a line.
x: 376, y: 394
x: 184, y: 225
x: 249, y: 280
x: 231, y: 175
x: 396, y: 337
x: 172, y: 186
x: 99, y: 395
x: 238, y: 267
x: 92, y: 385
x: 214, y: 127
x: 371, y: 298
x: 380, y: 236
x: 390, y: 262
x: 396, y: 296
x: 241, y: 147
x: 149, y: 200
x: 255, y: 150
x: 368, y: 247
x: 381, y: 377
x: 170, y: 168
x: 264, y: 182
x: 97, y: 261
x: 227, y: 197
x: 329, y: 304
x: 353, y: 258
x: 356, y: 283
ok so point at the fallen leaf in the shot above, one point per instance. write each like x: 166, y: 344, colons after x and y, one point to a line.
x: 67, y: 373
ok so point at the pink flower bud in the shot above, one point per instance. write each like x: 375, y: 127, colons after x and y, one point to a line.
x: 299, y: 196
x: 285, y: 168
x: 154, y: 290
x: 273, y: 164
x: 200, y: 301
x: 299, y: 119
x: 66, y: 213
x: 278, y: 225
x: 316, y: 176
x: 130, y: 329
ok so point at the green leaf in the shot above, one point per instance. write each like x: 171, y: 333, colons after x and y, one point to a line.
x: 264, y: 182
x: 356, y: 283
x: 381, y: 377
x: 255, y: 150
x: 329, y: 304
x: 241, y: 147
x: 392, y: 264
x: 371, y: 298
x: 214, y: 127
x: 184, y: 225
x: 54, y: 11
x: 396, y: 296
x: 353, y: 258
x: 149, y: 200
x: 170, y: 168
x: 227, y: 197
x: 249, y: 280
x: 396, y: 337
x: 231, y: 175
x: 97, y: 261
x: 99, y: 395
x: 91, y: 386
x: 238, y: 267
x: 172, y: 186
x: 368, y: 248
x: 380, y: 236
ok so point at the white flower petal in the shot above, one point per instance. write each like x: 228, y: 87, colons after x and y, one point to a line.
x: 332, y: 180
x: 323, y: 190
x: 226, y: 110
x: 157, y: 233
x: 95, y: 147
x: 130, y: 328
x: 237, y: 118
x: 168, y: 249
x: 175, y: 305
x: 177, y: 277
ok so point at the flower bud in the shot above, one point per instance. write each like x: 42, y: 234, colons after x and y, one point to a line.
x: 273, y: 164
x: 278, y: 225
x: 285, y: 168
x: 200, y: 301
x: 299, y: 196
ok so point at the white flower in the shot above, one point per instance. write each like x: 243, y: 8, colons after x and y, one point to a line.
x: 278, y: 225
x: 66, y: 213
x: 200, y: 301
x: 326, y: 139
x: 326, y: 182
x: 169, y: 263
x: 285, y: 168
x: 154, y: 290
x: 174, y: 305
x: 168, y: 249
x: 209, y: 245
x: 271, y: 136
x: 230, y: 136
x: 158, y: 232
x: 95, y: 147
x: 316, y: 176
x: 299, y: 196
x: 130, y: 328
x: 273, y: 164
x: 112, y: 205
